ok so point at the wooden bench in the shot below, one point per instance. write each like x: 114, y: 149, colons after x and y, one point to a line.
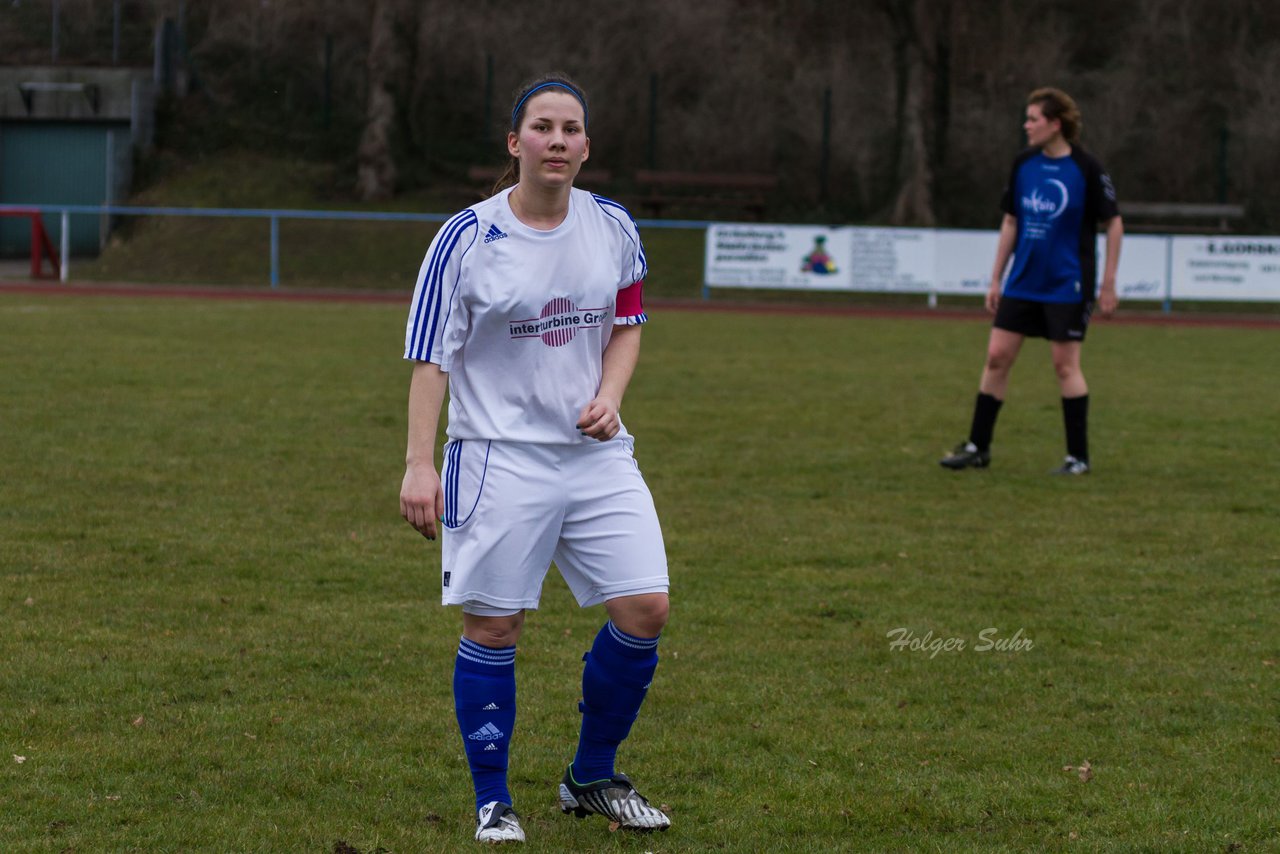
x: 484, y: 177
x: 705, y: 190
x: 1179, y: 216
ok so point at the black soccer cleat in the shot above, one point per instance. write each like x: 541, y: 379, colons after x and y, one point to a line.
x: 966, y: 456
x: 615, y: 799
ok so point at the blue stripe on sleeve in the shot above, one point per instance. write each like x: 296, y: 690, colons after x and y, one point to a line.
x: 430, y: 292
x: 633, y: 234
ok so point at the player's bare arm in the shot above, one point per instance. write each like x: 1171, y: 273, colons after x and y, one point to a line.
x: 599, y: 419
x: 1004, y: 248
x: 1108, y: 300
x: 421, y: 497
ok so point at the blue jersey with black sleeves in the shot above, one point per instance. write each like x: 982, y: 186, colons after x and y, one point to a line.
x: 1058, y: 203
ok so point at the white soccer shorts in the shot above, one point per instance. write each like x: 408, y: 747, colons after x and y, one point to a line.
x: 512, y: 507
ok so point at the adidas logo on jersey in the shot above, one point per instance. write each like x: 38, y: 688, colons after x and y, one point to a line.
x: 492, y: 746
x: 488, y: 732
x: 494, y: 234
x: 492, y: 706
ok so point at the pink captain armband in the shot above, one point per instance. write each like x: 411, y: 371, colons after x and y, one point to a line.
x: 630, y: 306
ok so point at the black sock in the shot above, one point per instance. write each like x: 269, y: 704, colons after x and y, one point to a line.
x: 1075, y: 417
x: 985, y: 411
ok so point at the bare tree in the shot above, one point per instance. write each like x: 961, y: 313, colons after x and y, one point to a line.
x: 921, y: 33
x: 376, y: 167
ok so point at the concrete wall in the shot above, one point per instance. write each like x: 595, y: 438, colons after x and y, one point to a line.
x: 107, y: 94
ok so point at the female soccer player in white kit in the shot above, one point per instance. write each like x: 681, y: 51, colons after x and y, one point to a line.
x: 528, y: 309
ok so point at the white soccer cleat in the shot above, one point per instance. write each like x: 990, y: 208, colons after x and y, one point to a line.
x: 615, y: 799
x: 497, y: 823
x: 1072, y: 466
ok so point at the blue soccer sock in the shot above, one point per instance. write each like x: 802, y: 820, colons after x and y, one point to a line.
x: 615, y: 679
x: 484, y: 698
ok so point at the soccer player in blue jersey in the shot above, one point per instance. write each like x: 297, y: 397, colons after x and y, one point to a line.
x: 528, y: 310
x: 1057, y: 197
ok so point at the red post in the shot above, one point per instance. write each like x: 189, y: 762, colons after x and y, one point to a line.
x: 41, y: 245
x: 40, y: 240
x: 35, y: 246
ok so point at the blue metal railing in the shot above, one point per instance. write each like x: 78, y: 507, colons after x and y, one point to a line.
x: 272, y: 214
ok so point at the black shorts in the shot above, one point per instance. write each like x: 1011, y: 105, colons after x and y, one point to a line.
x: 1057, y: 321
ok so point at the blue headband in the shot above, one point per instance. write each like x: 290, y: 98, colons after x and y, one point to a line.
x: 540, y: 86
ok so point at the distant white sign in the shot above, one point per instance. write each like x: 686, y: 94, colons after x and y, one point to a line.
x: 778, y: 256
x: 946, y: 261
x: 898, y: 260
x: 1226, y: 268
x: 1143, y: 272
x: 963, y: 261
x: 821, y: 258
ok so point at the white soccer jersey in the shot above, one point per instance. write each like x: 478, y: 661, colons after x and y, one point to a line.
x: 519, y: 318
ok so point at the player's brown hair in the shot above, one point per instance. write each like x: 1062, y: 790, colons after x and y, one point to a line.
x: 556, y: 79
x: 1056, y: 104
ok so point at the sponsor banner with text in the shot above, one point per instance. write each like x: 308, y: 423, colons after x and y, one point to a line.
x: 951, y: 261
x: 1144, y: 262
x: 778, y: 256
x: 902, y: 260
x: 1226, y: 268
x: 964, y: 260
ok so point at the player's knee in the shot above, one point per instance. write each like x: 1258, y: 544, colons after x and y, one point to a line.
x: 1066, y: 369
x: 655, y: 616
x: 999, y: 360
x: 643, y: 616
x: 493, y: 632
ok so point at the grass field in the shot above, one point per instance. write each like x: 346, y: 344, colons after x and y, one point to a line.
x: 218, y: 635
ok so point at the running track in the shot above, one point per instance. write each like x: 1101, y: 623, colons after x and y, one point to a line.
x: 103, y: 289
